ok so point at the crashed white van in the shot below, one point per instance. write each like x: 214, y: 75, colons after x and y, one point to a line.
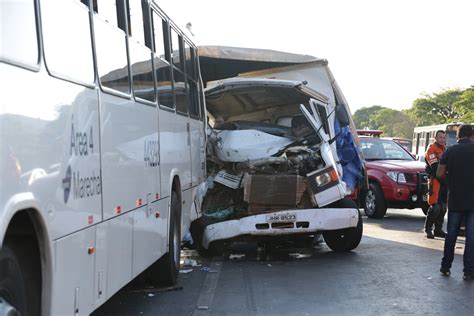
x: 277, y: 152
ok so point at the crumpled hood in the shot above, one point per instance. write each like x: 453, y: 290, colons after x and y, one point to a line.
x: 397, y: 165
x: 244, y: 145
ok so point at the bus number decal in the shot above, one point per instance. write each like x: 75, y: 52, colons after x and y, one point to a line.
x: 150, y: 154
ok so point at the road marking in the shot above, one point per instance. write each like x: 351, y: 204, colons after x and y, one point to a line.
x: 206, y: 297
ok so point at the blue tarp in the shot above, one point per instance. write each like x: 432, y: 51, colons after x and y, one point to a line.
x: 348, y: 154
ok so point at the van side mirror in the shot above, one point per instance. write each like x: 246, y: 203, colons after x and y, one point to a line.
x: 342, y: 115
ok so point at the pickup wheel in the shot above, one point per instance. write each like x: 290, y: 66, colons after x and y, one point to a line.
x: 374, y: 202
x: 346, y: 239
x: 12, y: 285
x: 165, y: 270
x: 216, y: 248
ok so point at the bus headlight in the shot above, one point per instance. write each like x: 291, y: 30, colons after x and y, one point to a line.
x: 398, y: 177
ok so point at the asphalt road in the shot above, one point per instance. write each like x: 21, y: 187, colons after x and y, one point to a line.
x: 393, y: 271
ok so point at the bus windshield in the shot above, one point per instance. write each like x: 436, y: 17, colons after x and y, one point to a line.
x: 450, y: 138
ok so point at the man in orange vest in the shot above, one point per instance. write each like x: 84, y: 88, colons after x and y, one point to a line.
x: 437, y: 190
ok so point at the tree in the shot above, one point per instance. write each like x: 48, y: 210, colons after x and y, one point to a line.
x: 362, y: 116
x: 465, y: 105
x: 437, y: 108
x: 393, y: 123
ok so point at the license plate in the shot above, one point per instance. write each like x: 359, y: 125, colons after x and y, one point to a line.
x: 286, y: 217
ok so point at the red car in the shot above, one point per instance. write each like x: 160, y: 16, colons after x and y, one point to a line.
x: 396, y: 179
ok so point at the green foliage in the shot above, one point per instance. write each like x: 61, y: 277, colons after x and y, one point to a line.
x: 362, y: 116
x: 464, y: 106
x: 393, y: 123
x: 449, y: 105
x: 439, y: 108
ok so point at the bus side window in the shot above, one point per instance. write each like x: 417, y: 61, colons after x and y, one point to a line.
x: 180, y: 91
x: 162, y: 69
x: 417, y: 143
x: 140, y: 51
x: 110, y: 41
x: 193, y: 99
x: 427, y: 141
x: 201, y: 101
x: 190, y: 67
x: 176, y: 49
x: 19, y: 43
x: 67, y: 40
x: 189, y: 61
x: 158, y: 35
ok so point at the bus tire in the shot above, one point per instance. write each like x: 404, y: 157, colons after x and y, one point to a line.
x: 346, y: 239
x: 12, y: 285
x: 165, y: 270
x: 215, y: 248
x: 374, y: 202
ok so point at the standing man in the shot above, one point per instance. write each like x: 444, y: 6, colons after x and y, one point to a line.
x: 457, y: 164
x: 437, y: 191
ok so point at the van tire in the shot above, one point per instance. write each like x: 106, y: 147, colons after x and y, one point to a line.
x: 345, y: 239
x: 216, y: 248
x: 12, y: 285
x: 374, y: 202
x: 165, y: 270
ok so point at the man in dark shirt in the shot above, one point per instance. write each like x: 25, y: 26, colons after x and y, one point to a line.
x: 457, y: 164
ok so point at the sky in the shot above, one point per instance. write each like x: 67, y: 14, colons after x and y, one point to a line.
x: 381, y: 52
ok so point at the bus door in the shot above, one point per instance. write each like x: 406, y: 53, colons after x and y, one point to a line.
x: 175, y: 151
x: 197, y: 116
x: 129, y: 146
x: 183, y: 126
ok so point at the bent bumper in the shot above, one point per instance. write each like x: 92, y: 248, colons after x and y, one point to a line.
x: 306, y: 221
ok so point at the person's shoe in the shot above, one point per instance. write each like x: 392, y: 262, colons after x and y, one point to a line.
x: 439, y: 233
x: 429, y: 234
x: 468, y: 277
x: 445, y: 272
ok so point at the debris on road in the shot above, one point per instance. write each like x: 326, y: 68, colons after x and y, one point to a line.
x: 203, y: 307
x: 236, y: 256
x: 191, y: 263
x: 299, y: 255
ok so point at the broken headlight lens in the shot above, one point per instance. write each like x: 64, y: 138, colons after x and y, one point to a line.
x: 322, y: 179
x: 326, y: 178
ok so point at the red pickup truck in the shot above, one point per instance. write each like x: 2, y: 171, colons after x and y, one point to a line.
x: 396, y: 178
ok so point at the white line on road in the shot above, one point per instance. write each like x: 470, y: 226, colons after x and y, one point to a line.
x: 206, y: 297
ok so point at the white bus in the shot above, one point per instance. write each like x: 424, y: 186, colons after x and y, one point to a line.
x: 423, y: 136
x: 102, y: 143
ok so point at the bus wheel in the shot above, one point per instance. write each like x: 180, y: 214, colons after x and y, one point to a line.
x: 165, y: 270
x: 374, y: 203
x: 345, y: 239
x: 12, y: 286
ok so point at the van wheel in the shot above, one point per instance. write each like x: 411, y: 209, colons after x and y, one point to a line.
x: 216, y: 248
x: 345, y: 239
x: 165, y: 270
x: 374, y: 203
x: 12, y: 285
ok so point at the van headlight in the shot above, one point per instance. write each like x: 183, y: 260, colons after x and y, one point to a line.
x: 326, y: 178
x: 398, y: 177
